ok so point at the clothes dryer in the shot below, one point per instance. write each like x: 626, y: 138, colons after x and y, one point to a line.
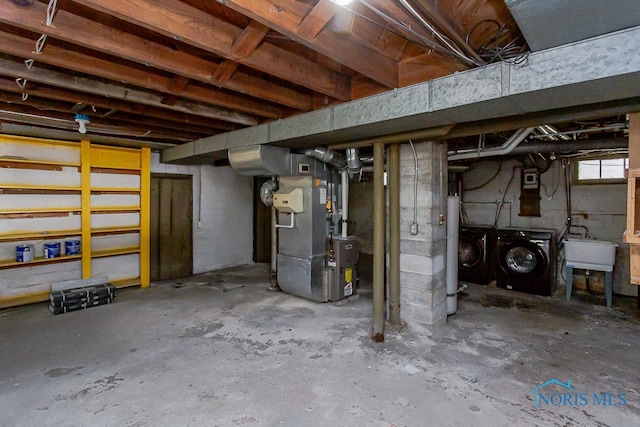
x: 527, y: 260
x: 476, y: 253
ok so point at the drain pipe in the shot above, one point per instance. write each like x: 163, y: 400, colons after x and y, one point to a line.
x: 394, y: 233
x: 506, y: 148
x: 344, y: 175
x: 377, y: 329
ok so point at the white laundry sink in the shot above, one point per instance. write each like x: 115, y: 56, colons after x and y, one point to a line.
x: 590, y: 254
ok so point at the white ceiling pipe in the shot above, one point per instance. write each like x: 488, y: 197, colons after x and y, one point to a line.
x: 506, y: 148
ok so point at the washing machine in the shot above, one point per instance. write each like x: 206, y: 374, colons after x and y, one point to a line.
x: 476, y: 253
x: 527, y: 260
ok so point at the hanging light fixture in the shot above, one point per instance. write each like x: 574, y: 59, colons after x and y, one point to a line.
x: 82, y: 120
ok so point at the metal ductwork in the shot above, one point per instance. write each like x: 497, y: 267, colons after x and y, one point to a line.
x: 547, y: 24
x: 329, y: 156
x: 267, y: 190
x: 261, y: 160
x: 353, y: 161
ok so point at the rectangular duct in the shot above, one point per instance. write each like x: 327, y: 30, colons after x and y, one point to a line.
x: 261, y: 160
x: 550, y: 23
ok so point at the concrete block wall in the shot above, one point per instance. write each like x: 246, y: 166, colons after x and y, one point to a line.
x: 225, y: 203
x: 422, y: 256
x: 600, y: 207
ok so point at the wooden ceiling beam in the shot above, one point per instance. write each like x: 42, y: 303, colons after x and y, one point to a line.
x: 176, y: 88
x: 96, y: 87
x: 285, y: 16
x: 176, y: 19
x: 60, y: 109
x: 30, y: 114
x: 82, y: 63
x: 316, y: 20
x: 178, y: 120
x: 225, y: 71
x: 80, y: 31
x: 249, y: 40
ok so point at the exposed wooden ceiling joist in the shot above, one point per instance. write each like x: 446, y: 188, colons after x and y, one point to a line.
x: 189, y: 25
x: 84, y: 84
x: 84, y: 32
x: 212, y: 66
x: 286, y: 17
x: 82, y: 63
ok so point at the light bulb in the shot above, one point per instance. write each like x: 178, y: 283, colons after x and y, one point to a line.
x: 342, y: 2
x: 82, y: 120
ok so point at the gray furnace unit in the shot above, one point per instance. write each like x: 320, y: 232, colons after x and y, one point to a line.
x: 314, y: 261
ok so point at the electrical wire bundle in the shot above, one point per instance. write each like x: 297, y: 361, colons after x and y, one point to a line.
x: 493, y: 49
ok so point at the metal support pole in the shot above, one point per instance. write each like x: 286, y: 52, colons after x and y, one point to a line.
x: 394, y: 233
x: 274, y: 250
x: 377, y: 330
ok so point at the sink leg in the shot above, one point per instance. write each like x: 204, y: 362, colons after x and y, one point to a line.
x: 569, y: 281
x: 608, y: 287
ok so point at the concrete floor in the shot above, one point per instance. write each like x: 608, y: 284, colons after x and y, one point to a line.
x: 217, y: 349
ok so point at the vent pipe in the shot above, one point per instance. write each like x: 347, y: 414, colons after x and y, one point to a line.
x: 353, y: 161
x: 506, y: 148
x: 327, y: 155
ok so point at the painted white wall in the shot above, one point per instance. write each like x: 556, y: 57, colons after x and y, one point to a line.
x: 225, y: 204
x: 601, y: 208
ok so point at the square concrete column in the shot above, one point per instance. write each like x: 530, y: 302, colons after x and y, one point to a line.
x: 422, y: 256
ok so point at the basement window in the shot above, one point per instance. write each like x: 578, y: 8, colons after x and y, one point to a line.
x: 602, y: 170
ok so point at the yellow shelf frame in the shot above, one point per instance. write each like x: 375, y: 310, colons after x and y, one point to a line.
x: 39, y: 235
x: 115, y: 230
x: 38, y: 261
x: 115, y: 190
x: 115, y: 252
x: 28, y: 211
x: 92, y: 157
x: 40, y: 187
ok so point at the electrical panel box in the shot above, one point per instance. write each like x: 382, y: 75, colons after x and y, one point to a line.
x: 289, y: 200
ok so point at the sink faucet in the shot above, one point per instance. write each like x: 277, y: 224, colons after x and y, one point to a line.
x: 586, y: 230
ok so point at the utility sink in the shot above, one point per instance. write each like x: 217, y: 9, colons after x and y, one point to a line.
x: 590, y: 254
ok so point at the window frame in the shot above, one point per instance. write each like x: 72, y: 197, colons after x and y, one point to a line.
x: 576, y: 167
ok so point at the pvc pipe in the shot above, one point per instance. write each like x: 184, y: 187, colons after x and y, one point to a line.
x: 394, y: 233
x: 344, y: 175
x: 290, y: 225
x: 377, y: 328
x: 453, y: 203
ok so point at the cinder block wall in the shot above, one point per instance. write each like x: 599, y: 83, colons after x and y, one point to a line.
x: 422, y: 256
x: 226, y: 236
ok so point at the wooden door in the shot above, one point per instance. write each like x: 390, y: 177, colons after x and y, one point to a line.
x: 171, y: 230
